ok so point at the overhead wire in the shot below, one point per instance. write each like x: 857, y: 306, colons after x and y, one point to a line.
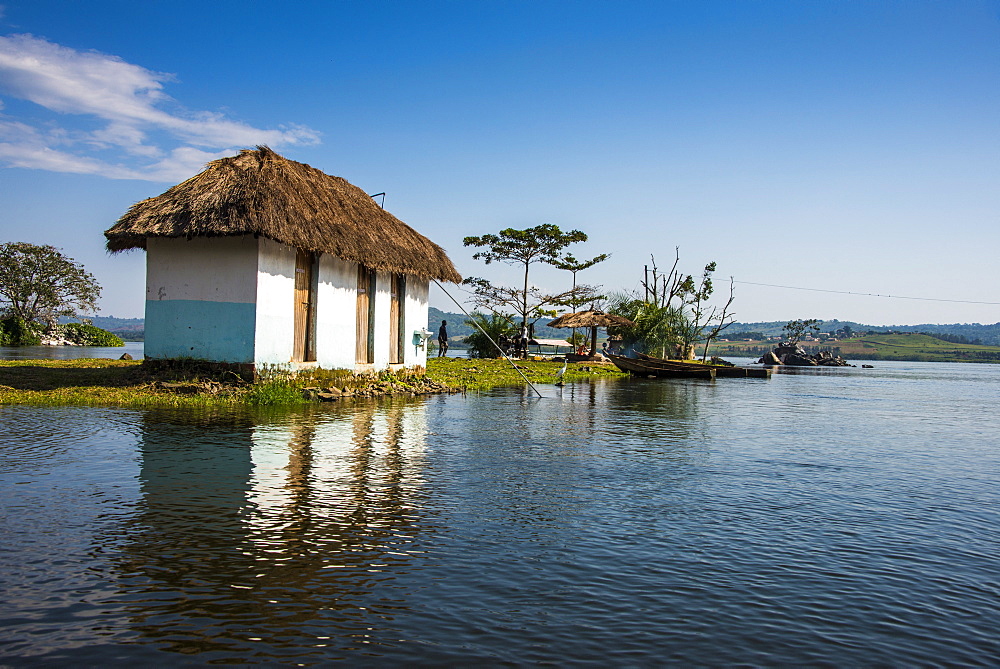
x: 828, y: 290
x: 848, y: 292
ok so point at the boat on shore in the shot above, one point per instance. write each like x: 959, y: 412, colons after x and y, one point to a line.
x: 721, y: 371
x: 638, y: 367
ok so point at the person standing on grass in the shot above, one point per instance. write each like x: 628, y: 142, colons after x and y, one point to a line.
x: 443, y: 339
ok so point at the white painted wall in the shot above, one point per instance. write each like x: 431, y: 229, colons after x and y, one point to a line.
x: 416, y: 319
x: 336, y: 313
x: 200, y: 296
x: 207, y: 289
x: 383, y: 297
x: 212, y: 269
x: 275, y: 279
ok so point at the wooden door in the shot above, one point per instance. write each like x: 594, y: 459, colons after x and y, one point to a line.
x: 396, y: 319
x: 304, y: 349
x: 365, y: 352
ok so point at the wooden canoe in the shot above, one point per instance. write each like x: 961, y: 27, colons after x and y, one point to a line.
x: 721, y: 371
x: 643, y: 368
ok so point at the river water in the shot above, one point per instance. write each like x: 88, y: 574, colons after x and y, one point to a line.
x: 837, y: 517
x: 133, y: 348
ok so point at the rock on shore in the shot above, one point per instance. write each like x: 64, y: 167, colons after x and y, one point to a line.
x: 795, y: 355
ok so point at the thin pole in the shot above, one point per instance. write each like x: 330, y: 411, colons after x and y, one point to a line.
x: 473, y: 321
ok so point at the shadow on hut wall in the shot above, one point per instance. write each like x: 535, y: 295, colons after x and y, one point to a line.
x: 257, y: 536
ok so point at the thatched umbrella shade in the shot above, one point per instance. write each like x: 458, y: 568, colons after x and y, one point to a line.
x: 592, y: 320
x: 259, y: 192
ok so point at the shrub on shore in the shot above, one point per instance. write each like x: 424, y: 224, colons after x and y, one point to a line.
x: 84, y: 334
x: 16, y: 331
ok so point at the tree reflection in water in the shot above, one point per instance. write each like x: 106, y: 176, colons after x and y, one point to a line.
x: 275, y: 534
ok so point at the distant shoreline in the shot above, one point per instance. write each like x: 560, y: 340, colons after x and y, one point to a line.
x: 905, y: 347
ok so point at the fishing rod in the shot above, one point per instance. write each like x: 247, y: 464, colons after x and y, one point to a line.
x: 474, y: 322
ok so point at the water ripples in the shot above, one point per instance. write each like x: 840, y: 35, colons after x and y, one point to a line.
x: 835, y: 519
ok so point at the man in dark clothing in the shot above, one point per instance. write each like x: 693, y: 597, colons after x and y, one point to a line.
x: 443, y: 339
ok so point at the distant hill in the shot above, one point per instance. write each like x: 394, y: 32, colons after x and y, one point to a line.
x: 972, y: 332
x: 902, y: 346
x: 132, y: 329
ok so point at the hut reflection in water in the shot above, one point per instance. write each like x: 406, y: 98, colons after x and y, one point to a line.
x: 272, y: 532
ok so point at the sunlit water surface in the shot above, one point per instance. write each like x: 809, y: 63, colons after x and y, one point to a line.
x: 834, y: 517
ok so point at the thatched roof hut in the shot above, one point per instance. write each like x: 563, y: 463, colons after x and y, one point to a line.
x: 589, y: 319
x: 261, y: 193
x: 592, y: 320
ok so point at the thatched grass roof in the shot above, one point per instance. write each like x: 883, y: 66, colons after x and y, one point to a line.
x: 259, y: 192
x: 589, y: 319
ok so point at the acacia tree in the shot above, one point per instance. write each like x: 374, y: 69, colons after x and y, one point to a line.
x: 520, y: 248
x: 580, y: 295
x: 512, y: 302
x: 40, y: 284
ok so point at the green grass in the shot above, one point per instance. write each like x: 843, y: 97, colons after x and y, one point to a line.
x: 104, y: 382
x: 485, y: 373
x: 126, y: 383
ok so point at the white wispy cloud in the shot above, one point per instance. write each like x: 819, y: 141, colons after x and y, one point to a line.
x: 142, y: 135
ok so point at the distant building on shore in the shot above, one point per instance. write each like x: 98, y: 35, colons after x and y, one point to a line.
x: 264, y: 261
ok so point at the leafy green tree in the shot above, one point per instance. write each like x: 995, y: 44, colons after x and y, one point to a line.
x: 656, y: 328
x: 40, y: 284
x: 495, y: 325
x: 520, y: 248
x: 15, y: 332
x: 796, y: 330
x: 672, y: 313
x: 86, y: 334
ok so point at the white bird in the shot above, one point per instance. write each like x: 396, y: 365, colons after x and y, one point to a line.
x: 561, y: 372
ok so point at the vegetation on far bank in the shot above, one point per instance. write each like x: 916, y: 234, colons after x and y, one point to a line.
x: 14, y: 331
x: 127, y: 383
x: 902, y: 347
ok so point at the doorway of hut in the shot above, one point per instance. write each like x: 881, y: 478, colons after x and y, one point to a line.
x: 365, y: 352
x: 396, y: 319
x: 304, y: 321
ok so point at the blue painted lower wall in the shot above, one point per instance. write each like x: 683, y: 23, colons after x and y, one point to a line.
x: 217, y: 331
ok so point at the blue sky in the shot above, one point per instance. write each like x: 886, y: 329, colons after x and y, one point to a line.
x: 839, y: 146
